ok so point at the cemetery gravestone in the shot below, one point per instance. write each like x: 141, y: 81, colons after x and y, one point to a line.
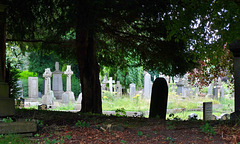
x: 159, y: 98
x: 33, y: 87
x: 47, y: 97
x: 132, y: 90
x: 68, y: 96
x: 118, y: 88
x: 104, y: 82
x: 110, y: 84
x: 210, y: 91
x: 207, y: 111
x: 180, y: 87
x: 57, y: 85
x: 147, y: 85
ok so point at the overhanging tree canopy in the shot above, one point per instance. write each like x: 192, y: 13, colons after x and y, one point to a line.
x: 156, y: 33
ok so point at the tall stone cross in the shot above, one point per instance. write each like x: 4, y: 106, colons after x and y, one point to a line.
x: 110, y: 84
x: 69, y: 73
x: 47, y: 75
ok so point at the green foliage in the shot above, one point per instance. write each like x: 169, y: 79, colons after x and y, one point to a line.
x: 140, y: 133
x: 25, y: 74
x: 169, y: 139
x: 7, y: 120
x: 172, y: 117
x: 81, y: 123
x: 68, y: 137
x: 120, y: 112
x: 123, y: 141
x: 208, y: 129
x: 13, y: 77
x: 14, y: 139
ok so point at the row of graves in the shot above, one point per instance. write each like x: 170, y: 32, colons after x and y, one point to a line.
x: 179, y: 85
x: 53, y: 94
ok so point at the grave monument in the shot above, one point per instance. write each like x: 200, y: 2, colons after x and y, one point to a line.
x: 68, y: 96
x: 57, y: 85
x: 47, y: 98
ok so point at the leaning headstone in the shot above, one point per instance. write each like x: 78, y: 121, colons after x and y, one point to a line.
x: 147, y: 85
x: 207, y: 111
x: 78, y: 105
x: 132, y: 90
x: 33, y: 87
x: 47, y: 97
x: 159, y: 98
x: 68, y: 96
x: 57, y: 85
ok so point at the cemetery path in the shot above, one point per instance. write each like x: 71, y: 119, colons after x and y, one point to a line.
x: 59, y: 127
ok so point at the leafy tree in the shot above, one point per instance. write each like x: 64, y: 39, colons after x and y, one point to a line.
x: 163, y: 35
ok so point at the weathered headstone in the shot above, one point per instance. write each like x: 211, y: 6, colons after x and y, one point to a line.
x: 104, y: 82
x: 132, y: 90
x: 180, y: 87
x: 57, y: 85
x: 33, y: 87
x: 159, y: 98
x: 47, y: 97
x: 118, y: 88
x: 210, y: 90
x: 207, y: 111
x: 68, y: 96
x: 147, y: 85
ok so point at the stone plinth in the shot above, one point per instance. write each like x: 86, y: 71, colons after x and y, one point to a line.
x: 57, y: 85
x: 7, y: 105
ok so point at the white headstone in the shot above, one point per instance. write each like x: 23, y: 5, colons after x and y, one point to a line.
x: 47, y: 97
x: 147, y: 85
x: 57, y: 85
x: 132, y: 90
x: 207, y: 111
x: 33, y: 87
x: 68, y: 95
x: 110, y: 84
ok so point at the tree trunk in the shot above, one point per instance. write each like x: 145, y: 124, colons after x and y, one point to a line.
x: 2, y: 46
x: 89, y: 73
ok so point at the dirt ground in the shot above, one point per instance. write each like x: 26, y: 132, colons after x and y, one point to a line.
x: 77, y: 128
